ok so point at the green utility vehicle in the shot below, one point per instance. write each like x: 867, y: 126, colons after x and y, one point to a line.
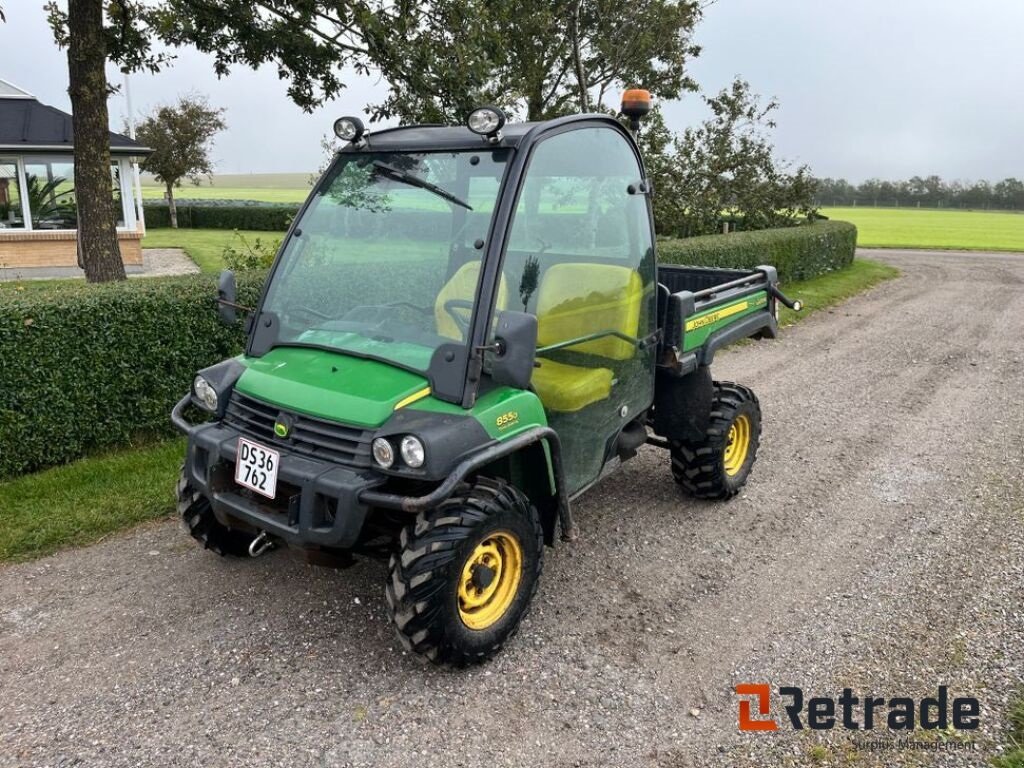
x: 465, y: 328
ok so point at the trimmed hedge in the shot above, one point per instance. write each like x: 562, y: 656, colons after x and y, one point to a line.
x: 264, y: 217
x: 87, y: 367
x: 798, y: 252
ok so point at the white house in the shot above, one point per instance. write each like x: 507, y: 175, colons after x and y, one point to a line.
x: 38, y: 214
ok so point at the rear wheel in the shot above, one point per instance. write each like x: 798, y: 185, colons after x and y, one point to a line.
x: 718, y: 466
x: 465, y: 574
x: 203, y: 526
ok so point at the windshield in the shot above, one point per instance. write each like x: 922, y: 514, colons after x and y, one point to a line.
x: 385, y: 260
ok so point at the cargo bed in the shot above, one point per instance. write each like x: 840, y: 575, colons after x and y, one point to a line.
x: 701, y: 309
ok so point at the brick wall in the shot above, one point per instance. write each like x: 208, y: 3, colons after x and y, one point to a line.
x: 57, y: 249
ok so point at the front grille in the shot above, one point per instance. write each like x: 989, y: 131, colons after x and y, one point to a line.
x: 309, y: 436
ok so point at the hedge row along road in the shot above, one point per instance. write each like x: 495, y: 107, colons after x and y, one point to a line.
x: 879, y: 545
x: 95, y: 367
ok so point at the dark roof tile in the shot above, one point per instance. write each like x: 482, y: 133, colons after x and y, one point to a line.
x: 25, y: 123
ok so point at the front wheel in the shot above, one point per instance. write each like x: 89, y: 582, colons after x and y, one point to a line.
x: 203, y: 526
x: 465, y: 573
x: 718, y: 466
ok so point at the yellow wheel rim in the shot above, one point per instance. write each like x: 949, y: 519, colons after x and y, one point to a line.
x: 737, y: 445
x: 490, y: 580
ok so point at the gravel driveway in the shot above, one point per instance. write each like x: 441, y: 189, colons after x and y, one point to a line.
x: 879, y: 546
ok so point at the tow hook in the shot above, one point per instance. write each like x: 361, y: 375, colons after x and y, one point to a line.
x: 260, y: 545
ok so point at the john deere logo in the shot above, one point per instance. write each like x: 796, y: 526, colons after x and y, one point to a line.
x: 282, y: 426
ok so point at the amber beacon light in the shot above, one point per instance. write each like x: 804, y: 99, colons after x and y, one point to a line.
x: 636, y: 102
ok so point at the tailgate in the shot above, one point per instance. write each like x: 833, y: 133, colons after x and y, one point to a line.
x: 702, y: 310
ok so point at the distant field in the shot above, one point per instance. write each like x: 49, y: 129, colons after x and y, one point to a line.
x: 916, y: 228
x: 283, y: 195
x: 269, y: 187
x: 876, y: 227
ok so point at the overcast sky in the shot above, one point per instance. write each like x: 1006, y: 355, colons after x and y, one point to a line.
x: 887, y: 88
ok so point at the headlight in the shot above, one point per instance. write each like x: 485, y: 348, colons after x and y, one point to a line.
x: 383, y: 453
x: 412, y: 451
x: 349, y: 128
x: 485, y: 120
x: 205, y: 394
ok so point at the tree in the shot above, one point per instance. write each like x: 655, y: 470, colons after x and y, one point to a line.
x: 539, y: 58
x: 329, y: 146
x: 93, y: 31
x: 181, y: 136
x: 441, y: 58
x: 726, y: 168
x: 1009, y: 193
x: 87, y: 57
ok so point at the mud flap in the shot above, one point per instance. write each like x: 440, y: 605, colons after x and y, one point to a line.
x: 682, y: 405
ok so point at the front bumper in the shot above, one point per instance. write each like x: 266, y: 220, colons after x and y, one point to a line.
x: 317, y: 503
x: 323, y: 503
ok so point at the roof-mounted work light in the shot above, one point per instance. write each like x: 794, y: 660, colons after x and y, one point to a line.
x: 487, y: 122
x: 349, y: 129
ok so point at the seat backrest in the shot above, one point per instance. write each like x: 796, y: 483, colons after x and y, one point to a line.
x: 580, y: 299
x: 462, y: 286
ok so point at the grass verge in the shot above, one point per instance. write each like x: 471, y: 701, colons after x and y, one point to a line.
x: 82, y: 502
x: 826, y: 290
x: 1013, y: 757
x: 205, y: 246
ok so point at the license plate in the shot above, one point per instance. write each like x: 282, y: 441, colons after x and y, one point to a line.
x: 256, y: 467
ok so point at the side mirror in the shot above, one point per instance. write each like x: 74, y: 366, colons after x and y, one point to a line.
x: 516, y: 333
x: 227, y: 297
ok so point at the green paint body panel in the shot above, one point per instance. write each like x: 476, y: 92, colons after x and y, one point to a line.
x: 717, y: 318
x: 362, y: 392
x: 502, y: 412
x: 328, y: 385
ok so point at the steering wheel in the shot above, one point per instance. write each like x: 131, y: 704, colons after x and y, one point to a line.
x: 462, y: 323
x: 408, y: 305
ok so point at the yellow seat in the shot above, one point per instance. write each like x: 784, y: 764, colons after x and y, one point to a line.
x: 462, y: 286
x: 568, y: 388
x: 580, y: 299
x: 577, y: 300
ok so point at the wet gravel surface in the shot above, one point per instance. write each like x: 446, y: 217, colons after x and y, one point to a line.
x: 879, y: 546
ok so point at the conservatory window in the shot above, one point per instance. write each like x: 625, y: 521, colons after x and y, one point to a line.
x: 50, y: 191
x: 12, y: 214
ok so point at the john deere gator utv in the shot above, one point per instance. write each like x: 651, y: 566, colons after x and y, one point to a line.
x: 464, y: 329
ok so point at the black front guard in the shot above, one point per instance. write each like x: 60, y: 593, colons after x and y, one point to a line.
x: 325, y: 504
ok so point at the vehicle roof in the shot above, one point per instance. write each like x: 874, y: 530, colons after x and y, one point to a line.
x: 432, y: 137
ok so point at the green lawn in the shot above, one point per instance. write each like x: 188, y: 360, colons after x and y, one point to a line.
x: 828, y: 290
x: 80, y: 503
x: 925, y: 228
x: 284, y: 195
x: 206, y: 246
x: 1013, y: 757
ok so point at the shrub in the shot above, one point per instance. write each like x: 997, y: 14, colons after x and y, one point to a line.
x: 245, y: 255
x: 265, y: 217
x: 797, y: 252
x: 87, y: 367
